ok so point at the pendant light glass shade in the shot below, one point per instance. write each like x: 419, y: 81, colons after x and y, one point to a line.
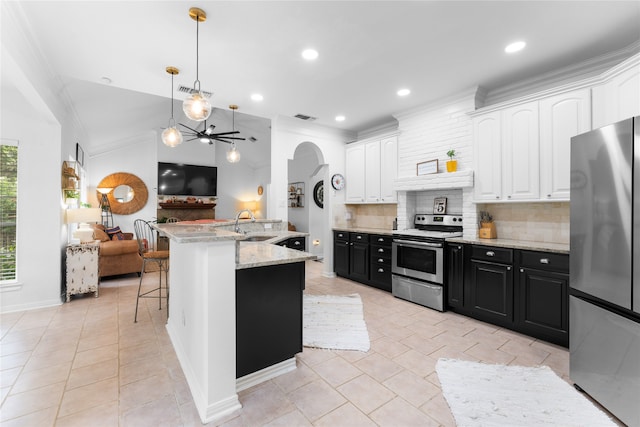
x: 171, y: 136
x: 196, y: 106
x: 233, y: 155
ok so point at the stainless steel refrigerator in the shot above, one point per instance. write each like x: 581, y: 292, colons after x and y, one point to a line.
x: 604, y: 296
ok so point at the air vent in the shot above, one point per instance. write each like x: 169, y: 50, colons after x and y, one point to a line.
x: 305, y: 117
x: 190, y: 90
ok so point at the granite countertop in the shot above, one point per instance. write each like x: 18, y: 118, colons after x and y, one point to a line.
x: 384, y: 231
x: 260, y: 254
x: 515, y: 244
x: 192, y: 233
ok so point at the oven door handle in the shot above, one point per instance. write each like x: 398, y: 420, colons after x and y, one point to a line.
x: 414, y: 243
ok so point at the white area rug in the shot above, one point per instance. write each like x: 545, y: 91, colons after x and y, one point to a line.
x: 497, y: 395
x: 334, y: 322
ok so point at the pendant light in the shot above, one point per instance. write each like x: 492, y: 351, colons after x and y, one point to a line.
x: 233, y: 155
x: 196, y: 106
x: 171, y: 136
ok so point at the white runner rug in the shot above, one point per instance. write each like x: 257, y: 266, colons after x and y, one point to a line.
x: 334, y: 322
x: 497, y: 395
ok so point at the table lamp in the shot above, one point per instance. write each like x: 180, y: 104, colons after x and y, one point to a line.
x: 83, y: 216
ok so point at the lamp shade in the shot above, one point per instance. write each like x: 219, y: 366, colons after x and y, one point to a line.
x: 196, y: 107
x: 75, y: 216
x: 104, y: 190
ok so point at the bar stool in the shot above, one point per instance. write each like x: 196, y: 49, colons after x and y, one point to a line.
x: 147, y: 246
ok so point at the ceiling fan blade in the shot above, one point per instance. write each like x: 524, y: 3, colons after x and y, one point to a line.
x: 233, y: 137
x: 191, y: 129
x: 192, y: 139
x: 228, y: 133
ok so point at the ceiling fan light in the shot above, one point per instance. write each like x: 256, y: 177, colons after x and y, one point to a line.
x: 171, y: 137
x: 233, y: 155
x: 205, y: 140
x: 196, y: 107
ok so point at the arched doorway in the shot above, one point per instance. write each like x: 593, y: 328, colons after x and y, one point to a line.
x: 306, y: 207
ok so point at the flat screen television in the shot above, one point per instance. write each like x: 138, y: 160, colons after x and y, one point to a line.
x: 177, y: 179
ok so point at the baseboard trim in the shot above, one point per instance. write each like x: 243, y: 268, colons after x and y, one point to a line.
x: 265, y: 374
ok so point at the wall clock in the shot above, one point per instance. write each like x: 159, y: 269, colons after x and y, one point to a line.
x: 337, y: 181
x: 318, y: 194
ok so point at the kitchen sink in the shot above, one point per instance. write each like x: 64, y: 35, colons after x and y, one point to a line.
x: 257, y: 238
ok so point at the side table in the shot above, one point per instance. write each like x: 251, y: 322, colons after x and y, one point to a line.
x: 82, y: 268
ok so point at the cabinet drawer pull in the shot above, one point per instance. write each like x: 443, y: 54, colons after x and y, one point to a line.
x: 491, y: 253
x: 381, y: 270
x: 459, y: 247
x: 544, y: 260
x: 296, y: 243
x: 358, y: 237
x: 522, y: 270
x: 380, y: 260
x: 380, y: 239
x: 381, y: 250
x: 340, y: 235
x: 508, y: 268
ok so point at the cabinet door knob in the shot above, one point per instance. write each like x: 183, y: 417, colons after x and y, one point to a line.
x: 544, y: 260
x: 522, y: 270
x: 508, y: 197
x: 508, y: 268
x: 549, y: 195
x: 497, y: 197
x: 381, y: 270
x: 491, y: 253
x: 459, y: 247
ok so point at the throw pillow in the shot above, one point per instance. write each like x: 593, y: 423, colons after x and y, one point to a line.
x: 118, y: 236
x: 100, y: 235
x: 113, y: 230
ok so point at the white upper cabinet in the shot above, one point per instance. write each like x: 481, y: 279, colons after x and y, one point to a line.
x: 372, y: 171
x: 506, y: 154
x: 388, y: 169
x: 372, y: 167
x: 520, y: 152
x: 618, y: 98
x: 487, y: 152
x: 355, y: 173
x: 561, y: 118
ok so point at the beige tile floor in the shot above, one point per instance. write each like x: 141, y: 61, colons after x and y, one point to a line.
x: 86, y: 363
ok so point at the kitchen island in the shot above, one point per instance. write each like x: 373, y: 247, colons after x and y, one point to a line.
x: 202, y: 323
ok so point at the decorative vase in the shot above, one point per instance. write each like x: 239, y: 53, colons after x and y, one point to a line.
x: 452, y: 165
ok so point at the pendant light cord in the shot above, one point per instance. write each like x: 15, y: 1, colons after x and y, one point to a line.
x: 197, y: 53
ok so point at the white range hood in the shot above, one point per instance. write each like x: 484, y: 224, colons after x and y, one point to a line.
x: 436, y: 181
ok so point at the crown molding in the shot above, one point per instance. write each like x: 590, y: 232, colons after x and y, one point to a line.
x: 563, y: 76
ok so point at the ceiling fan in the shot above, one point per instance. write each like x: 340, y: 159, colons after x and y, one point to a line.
x: 208, y: 135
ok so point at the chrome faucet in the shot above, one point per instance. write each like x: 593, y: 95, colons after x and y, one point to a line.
x: 253, y: 219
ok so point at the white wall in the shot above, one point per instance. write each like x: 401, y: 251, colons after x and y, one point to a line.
x: 287, y: 133
x: 27, y: 118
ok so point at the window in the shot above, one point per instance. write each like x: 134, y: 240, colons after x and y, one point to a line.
x: 8, y: 209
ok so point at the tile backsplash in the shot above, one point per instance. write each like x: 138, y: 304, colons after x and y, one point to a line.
x: 533, y: 222
x: 366, y: 216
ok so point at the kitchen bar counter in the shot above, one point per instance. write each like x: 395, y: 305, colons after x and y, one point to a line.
x: 261, y: 254
x: 515, y: 244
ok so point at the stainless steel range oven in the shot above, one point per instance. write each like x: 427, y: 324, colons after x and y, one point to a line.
x: 417, y: 259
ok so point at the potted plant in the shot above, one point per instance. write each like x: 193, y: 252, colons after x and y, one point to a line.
x: 452, y: 164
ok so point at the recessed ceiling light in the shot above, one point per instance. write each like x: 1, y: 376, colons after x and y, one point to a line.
x: 310, y: 54
x: 515, y: 47
x: 340, y: 118
x: 257, y: 97
x: 403, y: 92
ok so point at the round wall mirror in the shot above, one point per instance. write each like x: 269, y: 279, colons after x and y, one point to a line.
x: 129, y: 193
x: 123, y: 193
